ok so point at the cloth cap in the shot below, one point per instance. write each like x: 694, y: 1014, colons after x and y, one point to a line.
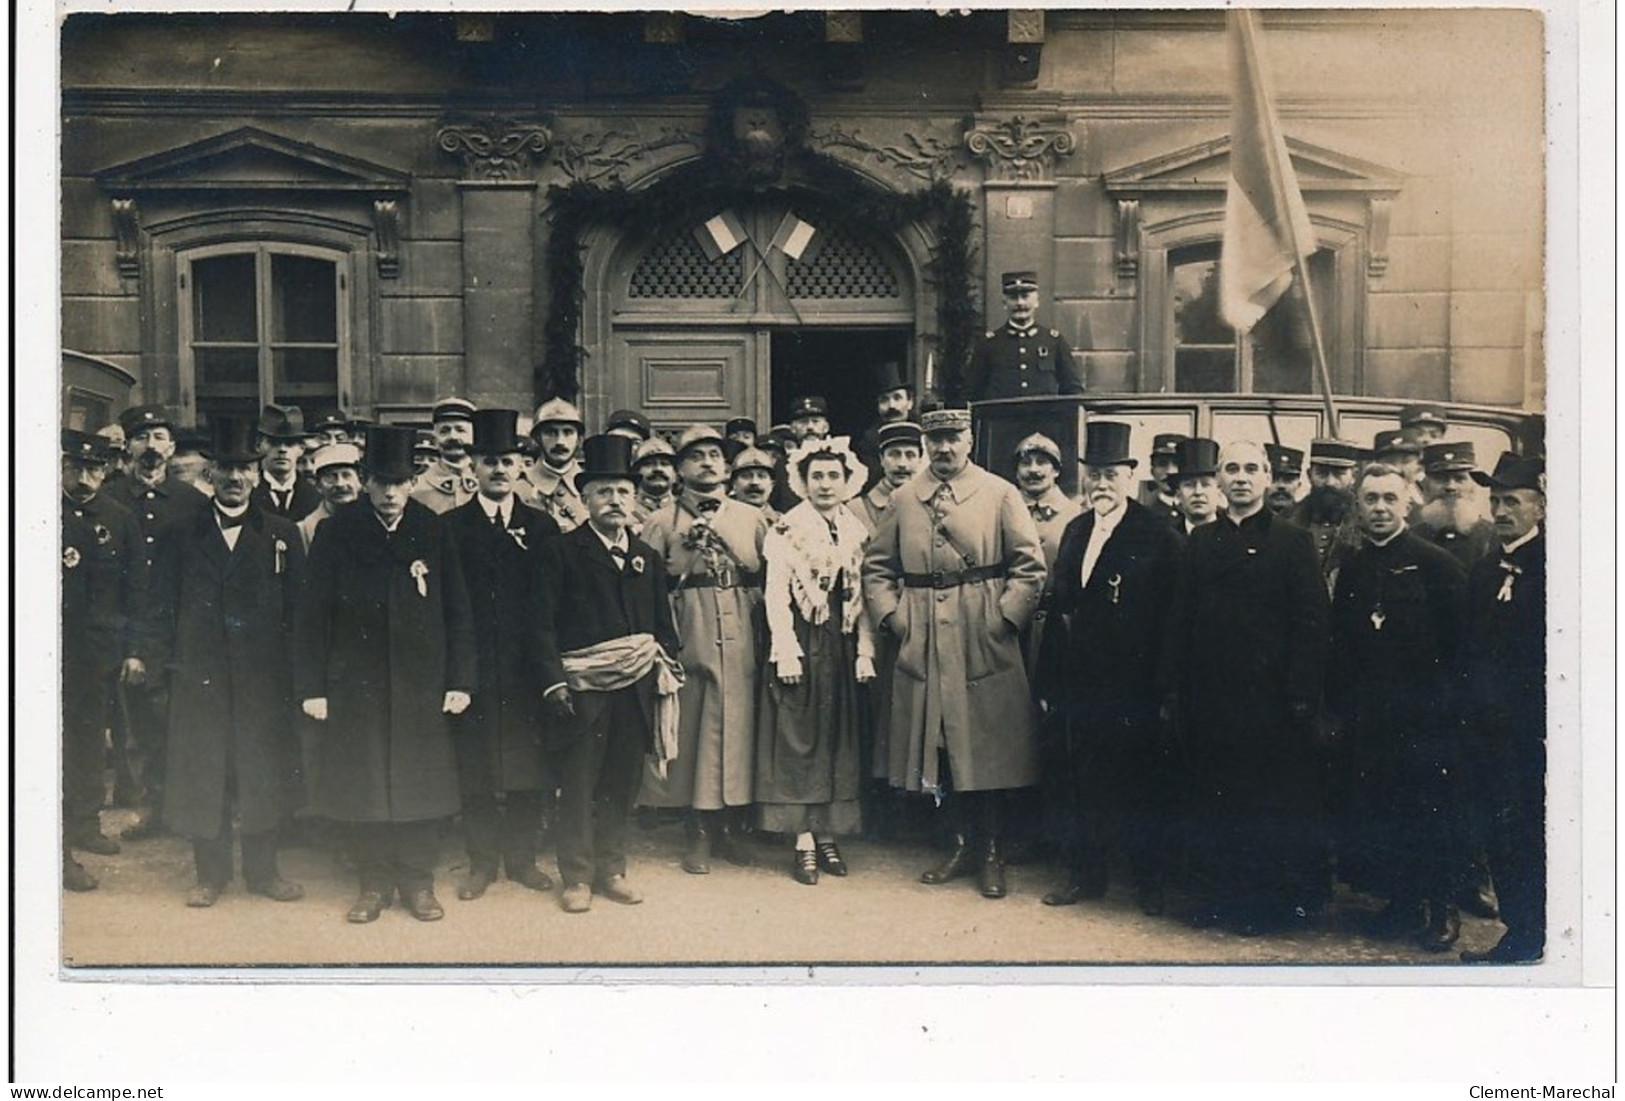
x: 335, y: 454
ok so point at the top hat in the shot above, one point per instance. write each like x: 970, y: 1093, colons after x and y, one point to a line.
x: 629, y: 418
x: 281, y: 422
x: 233, y: 439
x: 1395, y: 439
x: 739, y: 424
x: 452, y: 409
x: 1514, y: 472
x: 1329, y: 452
x: 1197, y: 456
x: 335, y: 454
x: 1165, y: 445
x: 1105, y: 443
x: 191, y: 439
x: 327, y: 420
x: 557, y: 411
x: 1015, y: 282
x: 945, y: 420
x: 1040, y: 444
x: 889, y: 377
x: 1440, y: 457
x: 605, y: 457
x: 810, y: 405
x: 1413, y: 415
x: 84, y: 447
x: 1284, y: 460
x: 496, y: 432
x: 753, y: 458
x: 655, y: 447
x: 898, y: 432
x: 389, y: 453
x: 137, y: 417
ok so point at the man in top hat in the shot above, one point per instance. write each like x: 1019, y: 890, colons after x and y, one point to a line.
x: 449, y: 480
x: 609, y: 676
x: 384, y: 653
x: 1453, y: 516
x: 954, y: 571
x: 1195, y: 484
x: 1426, y: 423
x: 1243, y: 669
x: 1504, y: 660
x: 1327, y: 511
x: 500, y: 766
x: 1396, y: 621
x: 809, y: 418
x: 1111, y: 593
x: 1038, y: 464
x: 894, y: 404
x: 654, y: 463
x: 712, y: 548
x: 337, y: 468
x: 741, y: 430
x: 279, y: 489
x: 1286, y: 477
x: 221, y: 609
x: 1021, y: 359
x: 1155, y: 493
x: 103, y: 587
x: 750, y: 480
x: 161, y: 505
x: 629, y: 423
x: 557, y: 431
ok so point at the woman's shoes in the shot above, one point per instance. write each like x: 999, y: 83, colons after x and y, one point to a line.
x: 829, y: 858
x: 804, y: 867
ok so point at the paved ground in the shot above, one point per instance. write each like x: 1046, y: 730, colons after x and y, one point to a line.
x: 755, y: 915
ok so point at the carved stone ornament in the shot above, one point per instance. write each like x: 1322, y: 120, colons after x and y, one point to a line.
x: 1379, y: 217
x: 1128, y: 238
x: 126, y: 227
x: 495, y: 149
x: 386, y: 221
x: 1020, y: 149
x: 592, y: 156
x: 927, y: 158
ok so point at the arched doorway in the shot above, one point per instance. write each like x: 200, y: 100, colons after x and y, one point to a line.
x: 684, y: 332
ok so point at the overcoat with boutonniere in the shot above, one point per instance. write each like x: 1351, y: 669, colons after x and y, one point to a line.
x: 498, y: 738
x: 222, y: 616
x: 384, y: 630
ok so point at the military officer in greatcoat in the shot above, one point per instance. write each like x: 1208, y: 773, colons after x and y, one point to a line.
x: 1021, y: 359
x: 1108, y: 775
x: 1505, y: 667
x: 280, y: 490
x: 103, y: 583
x: 1155, y: 493
x: 1038, y: 464
x: 557, y: 431
x: 222, y: 607
x: 501, y: 766
x: 161, y: 505
x: 610, y: 674
x: 955, y: 571
x: 1286, y: 469
x: 384, y: 652
x: 449, y: 481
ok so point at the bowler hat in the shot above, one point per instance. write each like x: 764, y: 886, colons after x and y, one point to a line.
x: 233, y: 439
x: 138, y: 417
x: 605, y: 457
x: 1438, y: 458
x: 389, y: 453
x: 1514, y: 472
x: 1330, y: 452
x: 1105, y: 443
x: 281, y: 422
x: 889, y: 377
x: 629, y: 418
x: 906, y: 432
x: 809, y: 406
x: 1284, y: 460
x: 1197, y: 457
x: 495, y: 432
x: 1016, y: 281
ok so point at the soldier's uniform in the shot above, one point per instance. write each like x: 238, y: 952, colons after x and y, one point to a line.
x: 1053, y: 510
x: 446, y: 485
x: 1021, y: 361
x: 554, y: 490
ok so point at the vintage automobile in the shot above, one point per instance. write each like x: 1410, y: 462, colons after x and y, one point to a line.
x: 1289, y: 419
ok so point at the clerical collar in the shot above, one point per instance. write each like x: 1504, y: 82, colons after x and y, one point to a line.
x: 1238, y: 521
x: 1375, y: 542
x: 1521, y: 541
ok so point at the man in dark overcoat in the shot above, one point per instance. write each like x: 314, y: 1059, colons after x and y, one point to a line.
x: 102, y: 589
x: 221, y: 608
x: 282, y: 491
x: 1393, y: 689
x: 1106, y: 775
x: 1505, y: 663
x: 610, y: 674
x: 500, y: 764
x: 1244, y: 665
x: 385, y: 651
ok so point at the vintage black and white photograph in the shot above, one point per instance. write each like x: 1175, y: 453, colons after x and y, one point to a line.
x: 873, y: 487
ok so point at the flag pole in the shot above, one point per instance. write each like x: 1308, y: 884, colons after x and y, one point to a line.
x: 1278, y: 180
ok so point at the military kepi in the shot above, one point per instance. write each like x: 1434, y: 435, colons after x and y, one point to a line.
x: 1284, y: 460
x: 1437, y: 458
x: 496, y: 431
x: 389, y: 453
x: 1105, y: 443
x: 138, y: 417
x: 945, y: 420
x: 1015, y: 282
x: 84, y: 447
x: 605, y: 457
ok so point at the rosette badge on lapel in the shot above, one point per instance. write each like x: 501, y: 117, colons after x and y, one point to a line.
x: 281, y: 550
x: 636, y: 563
x: 420, y: 574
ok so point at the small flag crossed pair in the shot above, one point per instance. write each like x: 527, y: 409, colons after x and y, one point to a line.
x: 724, y: 232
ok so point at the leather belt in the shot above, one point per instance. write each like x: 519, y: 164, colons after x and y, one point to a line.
x: 952, y: 579
x: 745, y: 580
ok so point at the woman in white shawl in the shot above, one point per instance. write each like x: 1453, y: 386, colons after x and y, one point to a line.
x: 808, y: 767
